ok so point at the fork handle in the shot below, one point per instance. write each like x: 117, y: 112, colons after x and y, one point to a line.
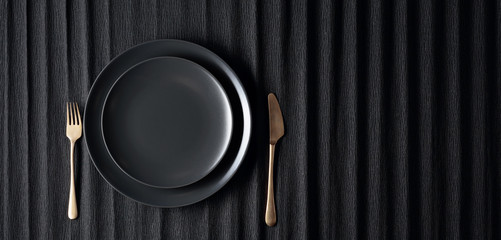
x: 72, y: 206
x: 271, y: 216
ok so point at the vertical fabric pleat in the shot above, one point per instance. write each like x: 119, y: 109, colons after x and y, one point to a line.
x: 4, y: 149
x: 320, y: 119
x: 392, y: 114
x: 372, y: 173
x: 345, y: 125
x: 475, y: 210
x: 16, y: 156
x: 39, y: 206
x: 493, y: 59
x: 396, y: 78
x: 421, y: 36
x: 449, y: 127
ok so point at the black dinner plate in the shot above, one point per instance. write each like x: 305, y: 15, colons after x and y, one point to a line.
x: 171, y: 197
x: 167, y: 122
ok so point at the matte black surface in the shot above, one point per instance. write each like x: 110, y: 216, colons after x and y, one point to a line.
x: 392, y: 113
x: 163, y: 197
x: 167, y: 122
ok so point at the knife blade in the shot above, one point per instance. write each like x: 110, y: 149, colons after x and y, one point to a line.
x: 276, y: 119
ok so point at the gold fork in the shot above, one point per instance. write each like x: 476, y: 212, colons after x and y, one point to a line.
x: 73, y: 132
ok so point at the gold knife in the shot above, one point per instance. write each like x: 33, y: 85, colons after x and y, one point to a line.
x: 276, y: 132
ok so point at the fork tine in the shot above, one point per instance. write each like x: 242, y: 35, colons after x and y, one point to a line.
x: 67, y: 113
x: 73, y: 122
x: 78, y: 112
x: 73, y: 114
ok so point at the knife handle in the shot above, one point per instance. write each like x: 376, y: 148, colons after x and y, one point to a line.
x: 271, y: 216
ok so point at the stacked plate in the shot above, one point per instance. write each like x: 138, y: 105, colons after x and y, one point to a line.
x: 167, y: 123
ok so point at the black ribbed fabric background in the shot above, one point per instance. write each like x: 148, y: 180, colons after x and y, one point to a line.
x: 392, y: 112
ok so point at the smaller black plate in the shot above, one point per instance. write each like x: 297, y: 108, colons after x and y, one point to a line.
x: 167, y: 122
